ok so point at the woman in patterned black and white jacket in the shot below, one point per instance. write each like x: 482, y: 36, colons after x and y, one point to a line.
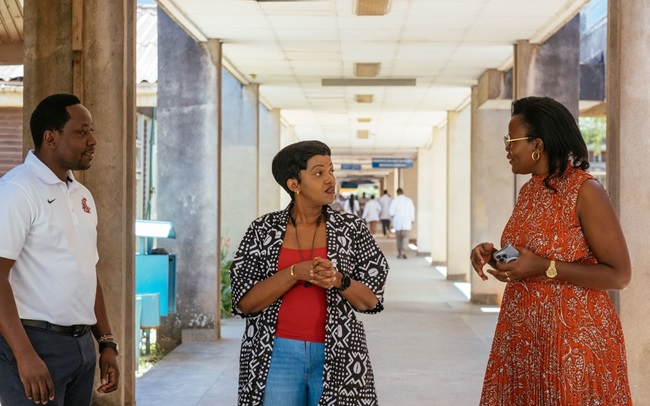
x: 298, y: 278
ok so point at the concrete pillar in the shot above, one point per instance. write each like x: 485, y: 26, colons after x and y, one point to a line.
x: 269, y: 191
x: 424, y: 204
x: 189, y: 86
x: 287, y: 136
x: 238, y: 173
x: 628, y: 102
x: 458, y: 194
x: 492, y: 189
x: 60, y: 58
x: 409, y: 183
x: 392, y: 183
x: 550, y: 69
x: 438, y: 179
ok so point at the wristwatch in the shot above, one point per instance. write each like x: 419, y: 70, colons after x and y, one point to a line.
x: 109, y: 344
x: 345, y: 283
x: 551, y: 272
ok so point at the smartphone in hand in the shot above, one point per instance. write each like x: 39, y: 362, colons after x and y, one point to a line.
x: 506, y: 254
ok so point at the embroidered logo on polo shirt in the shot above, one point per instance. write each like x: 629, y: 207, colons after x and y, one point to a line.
x: 50, y: 201
x: 84, y: 205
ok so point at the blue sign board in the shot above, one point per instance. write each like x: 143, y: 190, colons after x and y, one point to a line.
x: 351, y: 167
x: 392, y: 163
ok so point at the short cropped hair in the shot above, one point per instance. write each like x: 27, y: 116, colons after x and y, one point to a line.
x: 50, y: 114
x: 551, y: 121
x: 293, y: 158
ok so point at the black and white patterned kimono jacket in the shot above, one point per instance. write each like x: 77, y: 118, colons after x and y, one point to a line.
x: 348, y: 378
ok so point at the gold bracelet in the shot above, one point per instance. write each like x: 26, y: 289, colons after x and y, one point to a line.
x: 106, y: 337
x: 292, y: 275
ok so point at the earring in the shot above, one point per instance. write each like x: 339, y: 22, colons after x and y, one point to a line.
x: 535, y: 157
x: 298, y: 191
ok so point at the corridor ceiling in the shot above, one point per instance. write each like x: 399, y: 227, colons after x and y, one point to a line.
x: 292, y: 48
x: 418, y: 61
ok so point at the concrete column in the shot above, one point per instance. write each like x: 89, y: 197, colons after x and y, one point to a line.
x: 60, y: 58
x: 238, y: 173
x: 189, y: 89
x: 628, y: 102
x: 550, y: 69
x: 458, y: 194
x: 392, y: 183
x: 492, y: 189
x: 287, y: 136
x: 438, y: 179
x: 409, y: 183
x: 269, y: 191
x: 425, y: 200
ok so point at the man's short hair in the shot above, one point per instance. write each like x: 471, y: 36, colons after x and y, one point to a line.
x: 50, y: 114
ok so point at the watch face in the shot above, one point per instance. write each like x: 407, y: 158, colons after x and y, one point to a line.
x: 345, y: 283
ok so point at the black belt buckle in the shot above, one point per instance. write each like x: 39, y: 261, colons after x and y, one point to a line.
x: 79, y: 330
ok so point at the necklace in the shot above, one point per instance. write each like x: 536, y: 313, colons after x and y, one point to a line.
x: 313, y: 240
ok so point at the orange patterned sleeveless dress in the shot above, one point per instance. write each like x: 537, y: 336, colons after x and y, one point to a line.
x: 555, y: 343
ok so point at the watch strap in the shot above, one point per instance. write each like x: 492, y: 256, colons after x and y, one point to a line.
x: 345, y: 283
x: 108, y: 344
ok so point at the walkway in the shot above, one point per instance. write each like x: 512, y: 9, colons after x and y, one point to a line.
x: 428, y: 348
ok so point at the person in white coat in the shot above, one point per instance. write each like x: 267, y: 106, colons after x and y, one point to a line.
x: 371, y: 212
x: 352, y: 205
x: 403, y: 212
x: 385, y: 201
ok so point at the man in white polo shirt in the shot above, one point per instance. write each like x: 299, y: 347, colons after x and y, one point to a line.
x: 50, y: 297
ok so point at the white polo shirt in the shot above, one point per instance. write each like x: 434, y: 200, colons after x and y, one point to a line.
x: 49, y: 228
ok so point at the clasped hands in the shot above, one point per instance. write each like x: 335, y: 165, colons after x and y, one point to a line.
x: 528, y: 263
x: 321, y: 273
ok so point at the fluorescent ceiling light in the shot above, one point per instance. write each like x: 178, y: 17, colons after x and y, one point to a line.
x: 363, y: 134
x: 368, y: 82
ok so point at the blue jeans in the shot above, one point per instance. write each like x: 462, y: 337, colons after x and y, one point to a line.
x: 296, y: 373
x: 70, y: 360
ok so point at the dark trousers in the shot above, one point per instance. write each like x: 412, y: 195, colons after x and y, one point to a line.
x: 385, y: 226
x: 70, y: 360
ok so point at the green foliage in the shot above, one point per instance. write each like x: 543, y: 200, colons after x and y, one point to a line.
x: 226, y: 290
x: 593, y: 130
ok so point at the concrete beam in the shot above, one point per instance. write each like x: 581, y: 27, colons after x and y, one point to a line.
x: 11, y: 54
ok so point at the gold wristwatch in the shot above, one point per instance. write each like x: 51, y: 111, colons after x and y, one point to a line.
x: 551, y: 272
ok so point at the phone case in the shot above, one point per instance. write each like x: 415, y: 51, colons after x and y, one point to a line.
x: 506, y: 254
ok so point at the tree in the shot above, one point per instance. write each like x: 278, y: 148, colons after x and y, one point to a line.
x: 594, y: 130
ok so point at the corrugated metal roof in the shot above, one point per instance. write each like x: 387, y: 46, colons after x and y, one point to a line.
x: 11, y: 73
x: 147, y: 44
x: 146, y: 49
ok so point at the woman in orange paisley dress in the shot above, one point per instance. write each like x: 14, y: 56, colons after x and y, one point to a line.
x: 558, y: 340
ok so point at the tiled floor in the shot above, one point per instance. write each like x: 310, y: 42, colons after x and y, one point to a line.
x: 428, y: 348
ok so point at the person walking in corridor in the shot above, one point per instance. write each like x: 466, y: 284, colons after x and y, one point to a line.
x: 298, y: 277
x: 352, y: 205
x: 384, y: 216
x: 558, y: 339
x: 371, y: 212
x: 50, y: 296
x: 403, y: 212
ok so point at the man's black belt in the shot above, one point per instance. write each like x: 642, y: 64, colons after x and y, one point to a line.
x: 77, y: 330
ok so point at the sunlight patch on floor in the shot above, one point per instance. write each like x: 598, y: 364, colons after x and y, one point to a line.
x: 464, y: 287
